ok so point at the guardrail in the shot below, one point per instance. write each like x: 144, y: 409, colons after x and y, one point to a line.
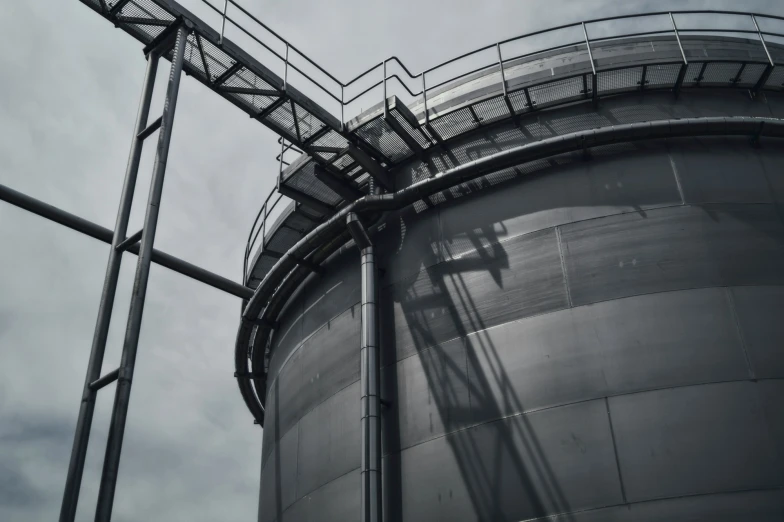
x: 496, y: 56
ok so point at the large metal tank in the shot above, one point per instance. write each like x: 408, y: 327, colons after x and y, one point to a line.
x: 596, y: 335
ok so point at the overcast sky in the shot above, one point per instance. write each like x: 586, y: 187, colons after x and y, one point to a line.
x: 68, y: 99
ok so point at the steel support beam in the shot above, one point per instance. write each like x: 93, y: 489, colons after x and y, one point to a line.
x: 370, y: 389
x: 122, y: 396
x: 105, y: 235
x: 84, y: 421
x: 375, y: 170
x: 345, y: 189
x: 105, y: 380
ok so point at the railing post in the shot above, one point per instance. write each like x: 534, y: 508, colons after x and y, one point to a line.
x: 424, y: 99
x: 501, y: 67
x: 682, y: 73
x: 73, y: 479
x: 771, y: 64
x: 122, y: 396
x: 286, y: 69
x: 223, y: 21
x: 384, y: 69
x: 593, y: 67
x: 342, y: 106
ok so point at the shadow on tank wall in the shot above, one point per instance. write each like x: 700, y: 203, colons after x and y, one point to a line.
x: 538, y: 258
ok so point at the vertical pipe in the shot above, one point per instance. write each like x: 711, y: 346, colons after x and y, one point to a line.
x: 369, y: 381
x: 223, y: 21
x: 122, y: 396
x: 384, y: 68
x: 73, y: 480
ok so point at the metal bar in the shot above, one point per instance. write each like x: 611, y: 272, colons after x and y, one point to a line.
x: 344, y: 188
x: 116, y: 8
x: 342, y: 107
x: 280, y: 165
x: 308, y: 201
x: 131, y: 240
x: 122, y: 397
x: 384, y: 68
x: 223, y: 21
x: 203, y: 57
x: 595, y: 86
x: 424, y: 99
x: 105, y: 235
x: 370, y: 165
x: 701, y: 74
x: 643, y: 80
x: 678, y: 38
x: 762, y: 41
x: 286, y: 70
x: 369, y: 378
x: 105, y: 380
x: 404, y: 135
x: 154, y: 126
x: 736, y: 78
x: 272, y: 107
x: 227, y: 74
x: 528, y: 99
x: 142, y: 21
x: 313, y: 267
x: 296, y: 121
x: 84, y: 421
x: 250, y: 91
x: 501, y: 67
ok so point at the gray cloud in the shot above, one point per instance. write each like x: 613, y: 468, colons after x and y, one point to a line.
x: 68, y: 99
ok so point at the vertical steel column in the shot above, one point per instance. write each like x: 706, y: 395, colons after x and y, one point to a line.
x: 73, y: 480
x: 369, y: 378
x: 122, y: 396
x: 682, y: 73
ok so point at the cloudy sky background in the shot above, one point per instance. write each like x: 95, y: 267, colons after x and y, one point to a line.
x: 68, y: 99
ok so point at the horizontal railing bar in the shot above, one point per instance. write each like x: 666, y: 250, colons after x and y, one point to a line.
x: 105, y: 380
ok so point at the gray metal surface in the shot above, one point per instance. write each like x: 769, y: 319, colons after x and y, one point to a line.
x: 715, y: 439
x: 759, y: 311
x: 674, y: 248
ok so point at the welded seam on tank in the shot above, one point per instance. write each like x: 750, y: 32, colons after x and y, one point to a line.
x: 563, y: 266
x: 575, y: 309
x: 739, y: 329
x: 581, y: 401
x: 324, y: 236
x: 556, y: 516
x: 615, y: 449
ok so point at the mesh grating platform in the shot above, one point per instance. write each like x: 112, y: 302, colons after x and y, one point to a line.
x: 662, y: 76
x: 380, y: 137
x: 619, y: 80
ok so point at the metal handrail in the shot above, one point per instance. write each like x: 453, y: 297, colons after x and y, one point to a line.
x: 499, y: 62
x: 336, y: 91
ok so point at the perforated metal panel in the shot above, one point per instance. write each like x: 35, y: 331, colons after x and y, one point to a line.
x: 619, y: 80
x: 491, y: 110
x: 380, y: 137
x: 751, y: 74
x: 417, y: 134
x: 454, y: 123
x: 722, y: 74
x: 661, y: 76
x: 559, y: 91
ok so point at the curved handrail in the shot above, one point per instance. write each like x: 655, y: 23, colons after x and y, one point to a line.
x: 337, y: 92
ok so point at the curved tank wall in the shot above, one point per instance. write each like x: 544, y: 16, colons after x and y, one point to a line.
x: 595, y: 337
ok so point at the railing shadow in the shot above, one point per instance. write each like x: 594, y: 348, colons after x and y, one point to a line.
x: 488, y: 469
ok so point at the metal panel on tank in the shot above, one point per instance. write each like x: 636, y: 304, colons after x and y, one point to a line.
x: 672, y: 249
x: 610, y: 348
x: 694, y: 440
x: 639, y: 179
x: 744, y: 506
x: 760, y: 310
x: 279, y: 477
x: 513, y: 469
x: 514, y: 279
x: 431, y: 395
x: 337, y: 500
x: 719, y: 170
x: 330, y: 359
x: 329, y: 440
